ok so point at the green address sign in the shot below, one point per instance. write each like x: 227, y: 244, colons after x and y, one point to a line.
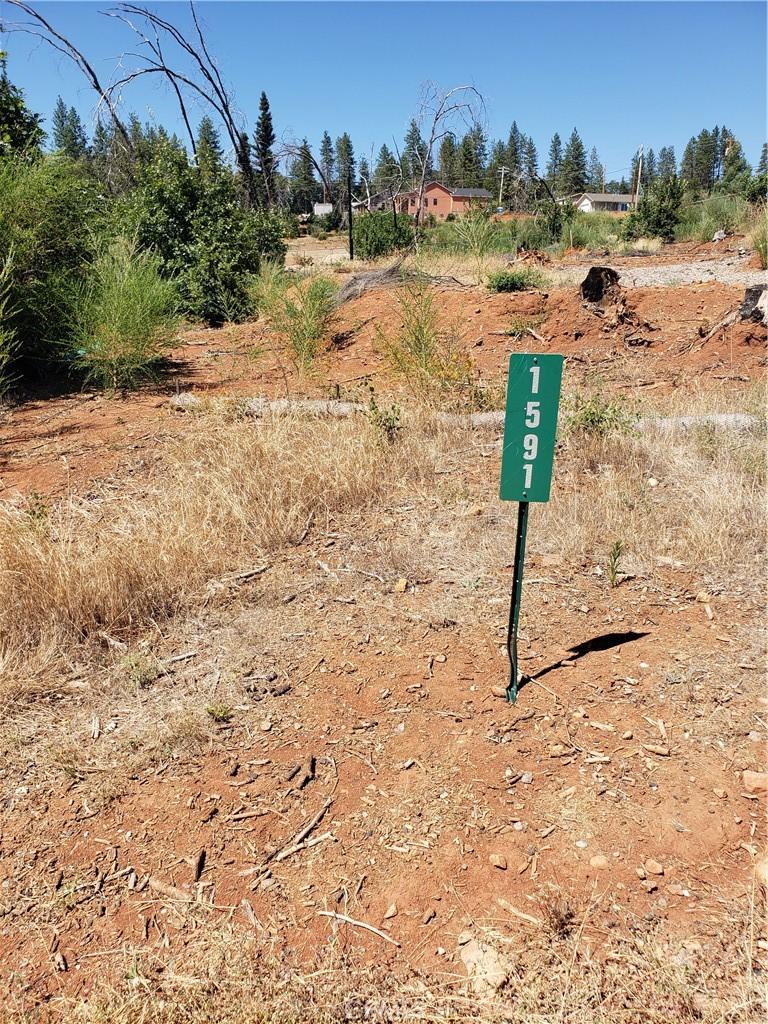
x: 533, y: 397
x: 530, y: 424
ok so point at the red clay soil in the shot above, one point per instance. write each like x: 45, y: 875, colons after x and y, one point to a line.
x: 51, y: 444
x: 439, y: 799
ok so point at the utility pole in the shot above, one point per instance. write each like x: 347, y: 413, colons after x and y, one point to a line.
x: 501, y: 185
x: 349, y: 214
x: 639, y: 174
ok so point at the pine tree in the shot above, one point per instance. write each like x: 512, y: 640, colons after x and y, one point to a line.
x: 762, y: 167
x: 573, y: 171
x: 415, y: 156
x: 705, y: 159
x: 448, y: 161
x: 595, y: 172
x: 493, y: 176
x: 650, y: 170
x: 345, y: 165
x: 304, y: 189
x: 470, y: 169
x: 246, y: 175
x: 210, y: 157
x: 736, y: 170
x: 688, y: 163
x: 667, y: 165
x: 386, y: 174
x: 264, y: 140
x: 554, y: 161
x: 20, y: 129
x: 59, y: 125
x: 327, y: 163
x: 515, y: 150
x: 531, y: 161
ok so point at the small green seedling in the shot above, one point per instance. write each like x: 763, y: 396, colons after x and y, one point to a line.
x: 614, y: 563
x: 220, y: 712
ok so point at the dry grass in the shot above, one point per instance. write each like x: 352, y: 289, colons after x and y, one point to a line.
x: 232, y: 492
x: 227, y: 495
x: 224, y: 977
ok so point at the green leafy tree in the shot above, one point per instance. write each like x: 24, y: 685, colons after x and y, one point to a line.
x: 327, y: 162
x: 573, y: 171
x: 203, y: 237
x: 554, y: 162
x: 265, y: 164
x: 20, y: 129
x: 67, y: 132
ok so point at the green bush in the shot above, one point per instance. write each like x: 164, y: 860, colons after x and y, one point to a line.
x: 303, y: 312
x: 375, y: 234
x: 475, y: 235
x: 515, y: 280
x: 593, y: 413
x: 203, y: 237
x: 534, y: 233
x: 49, y: 212
x: 699, y: 221
x: 658, y: 211
x: 125, y: 316
x: 591, y: 231
x: 427, y: 356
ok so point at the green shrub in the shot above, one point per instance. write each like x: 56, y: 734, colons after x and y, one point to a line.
x: 593, y: 413
x: 699, y: 221
x: 426, y: 355
x: 759, y: 239
x: 303, y: 312
x: 125, y: 316
x: 7, y: 333
x: 203, y: 237
x: 591, y: 231
x: 515, y: 280
x: 267, y: 287
x: 375, y: 234
x: 534, y: 233
x: 658, y: 211
x: 49, y: 213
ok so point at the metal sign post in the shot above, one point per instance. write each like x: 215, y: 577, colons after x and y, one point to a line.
x: 530, y: 424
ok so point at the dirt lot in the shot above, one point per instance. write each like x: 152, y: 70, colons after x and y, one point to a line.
x: 312, y: 735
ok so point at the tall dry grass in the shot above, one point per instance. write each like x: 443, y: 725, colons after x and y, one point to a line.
x: 226, y: 496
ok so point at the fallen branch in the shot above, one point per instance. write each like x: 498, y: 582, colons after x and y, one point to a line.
x: 358, y: 924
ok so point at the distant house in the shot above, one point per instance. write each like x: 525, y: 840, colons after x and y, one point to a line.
x: 602, y: 202
x: 322, y: 209
x: 441, y: 200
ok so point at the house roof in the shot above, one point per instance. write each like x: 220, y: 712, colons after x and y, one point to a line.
x: 465, y: 193
x: 605, y: 197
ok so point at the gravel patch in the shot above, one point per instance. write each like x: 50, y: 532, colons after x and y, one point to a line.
x: 729, y: 271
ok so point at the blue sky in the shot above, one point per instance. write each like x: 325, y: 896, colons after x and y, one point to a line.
x: 624, y: 73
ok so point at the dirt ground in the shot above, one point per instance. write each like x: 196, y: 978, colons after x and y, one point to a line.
x: 363, y: 766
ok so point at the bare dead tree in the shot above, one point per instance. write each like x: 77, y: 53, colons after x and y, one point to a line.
x: 440, y: 112
x: 42, y: 29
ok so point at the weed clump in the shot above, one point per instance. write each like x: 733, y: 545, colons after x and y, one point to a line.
x: 425, y: 354
x: 515, y: 280
x: 595, y: 415
x: 125, y: 316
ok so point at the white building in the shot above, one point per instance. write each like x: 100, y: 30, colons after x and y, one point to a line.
x: 602, y: 202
